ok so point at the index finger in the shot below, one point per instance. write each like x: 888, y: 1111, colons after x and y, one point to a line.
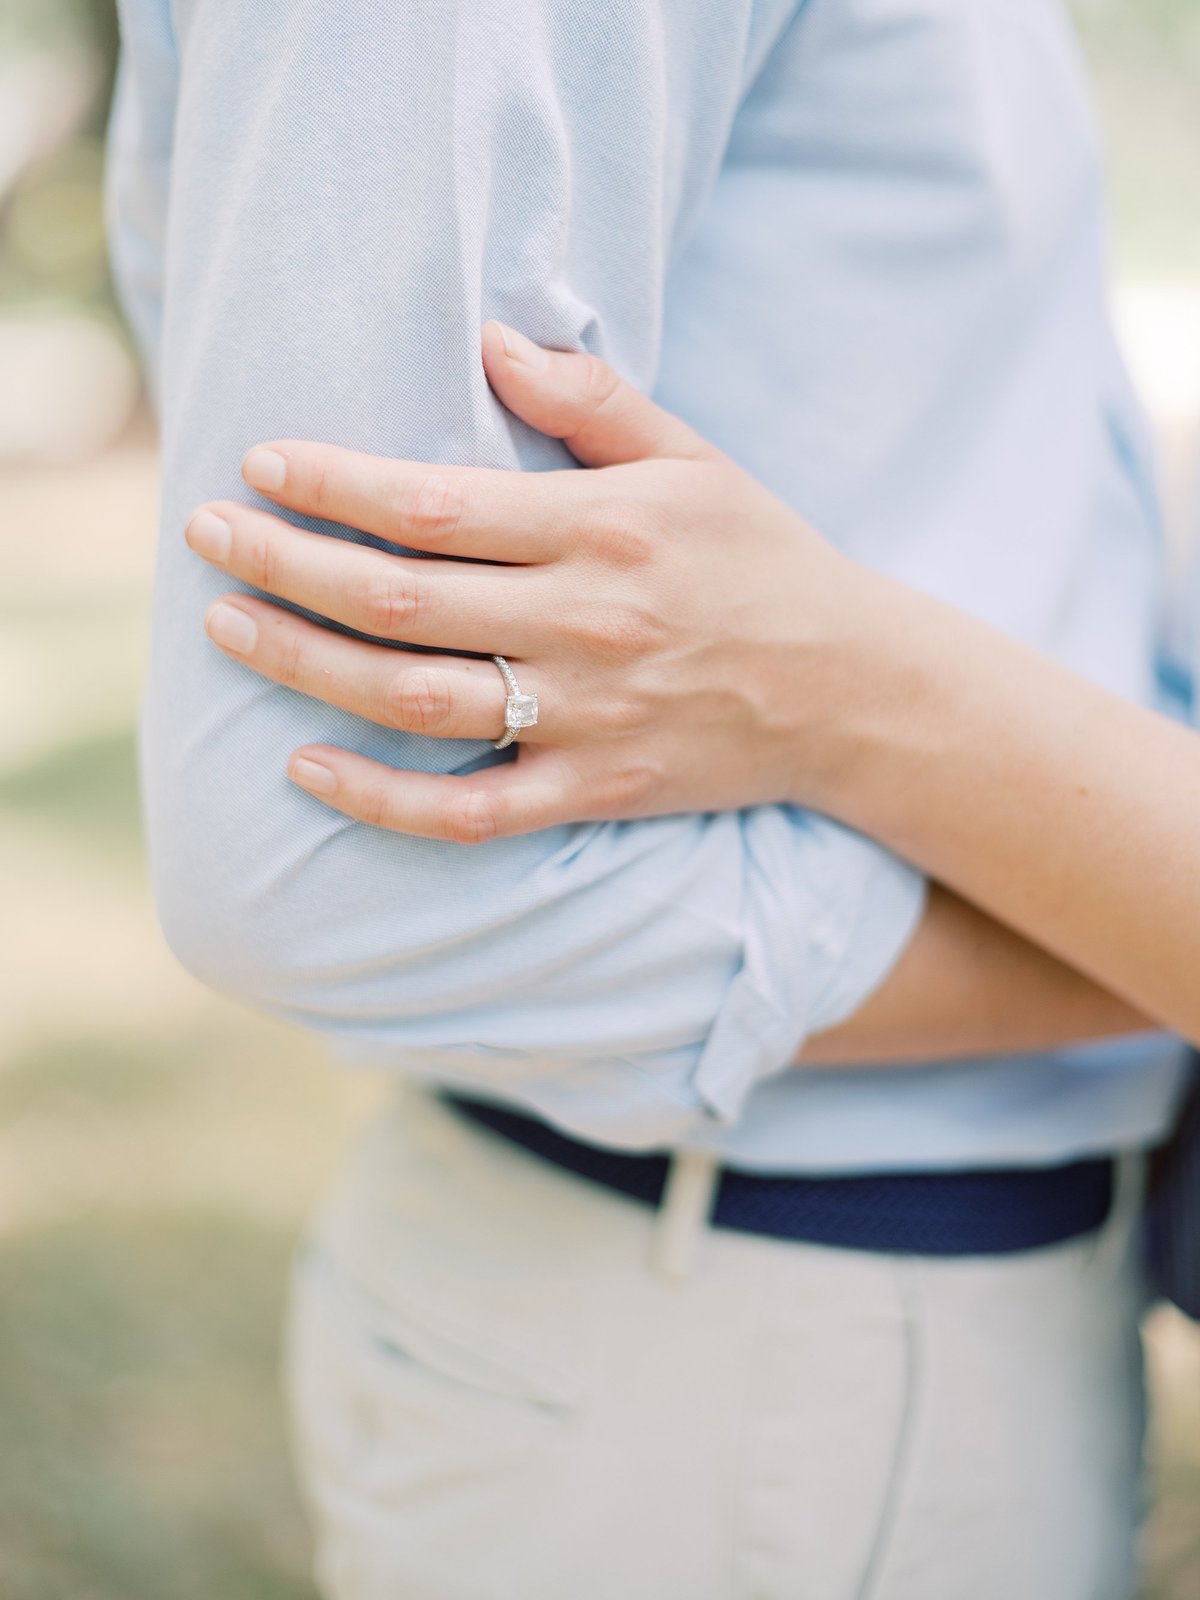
x: 493, y: 515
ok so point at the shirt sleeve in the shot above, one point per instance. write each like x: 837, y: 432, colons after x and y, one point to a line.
x: 346, y: 207
x: 138, y: 174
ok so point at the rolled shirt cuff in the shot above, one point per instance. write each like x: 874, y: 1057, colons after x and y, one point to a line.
x: 823, y: 941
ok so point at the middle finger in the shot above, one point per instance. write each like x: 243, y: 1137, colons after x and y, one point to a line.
x: 417, y: 600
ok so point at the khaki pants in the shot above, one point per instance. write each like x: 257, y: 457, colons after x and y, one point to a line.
x: 497, y: 1397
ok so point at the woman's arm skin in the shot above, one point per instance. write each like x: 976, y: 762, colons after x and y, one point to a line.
x: 968, y: 987
x: 1068, y: 813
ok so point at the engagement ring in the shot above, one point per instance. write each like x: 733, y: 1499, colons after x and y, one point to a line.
x: 520, y: 710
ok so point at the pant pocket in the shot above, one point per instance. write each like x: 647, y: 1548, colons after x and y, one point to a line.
x: 387, y: 1396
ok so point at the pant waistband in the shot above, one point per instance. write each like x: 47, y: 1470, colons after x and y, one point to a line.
x: 981, y: 1212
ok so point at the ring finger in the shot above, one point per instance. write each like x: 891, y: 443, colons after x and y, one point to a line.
x: 447, y: 697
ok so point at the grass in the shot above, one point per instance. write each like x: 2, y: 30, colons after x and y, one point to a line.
x: 144, y: 1453
x: 1145, y: 56
x: 159, y: 1150
x: 87, y: 787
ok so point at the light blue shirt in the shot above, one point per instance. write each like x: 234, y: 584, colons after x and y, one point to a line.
x: 858, y: 244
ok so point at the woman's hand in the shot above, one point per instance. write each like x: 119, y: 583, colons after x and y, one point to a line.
x: 685, y: 633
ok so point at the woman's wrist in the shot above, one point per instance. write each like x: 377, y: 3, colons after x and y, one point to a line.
x: 873, y: 704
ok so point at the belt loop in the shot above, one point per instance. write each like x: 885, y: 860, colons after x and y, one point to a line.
x: 683, y: 1215
x: 1125, y: 1214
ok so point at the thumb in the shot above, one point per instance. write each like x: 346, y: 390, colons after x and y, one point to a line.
x: 581, y: 400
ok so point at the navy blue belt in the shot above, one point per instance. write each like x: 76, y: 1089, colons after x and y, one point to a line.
x: 984, y: 1212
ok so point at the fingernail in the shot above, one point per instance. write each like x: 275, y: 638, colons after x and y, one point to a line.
x: 311, y: 775
x: 231, y: 628
x: 210, y: 536
x: 264, y: 469
x: 522, y: 350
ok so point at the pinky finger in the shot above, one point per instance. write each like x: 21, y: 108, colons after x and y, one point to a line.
x: 517, y: 797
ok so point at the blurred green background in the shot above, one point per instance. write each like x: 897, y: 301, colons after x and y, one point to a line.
x: 158, y: 1149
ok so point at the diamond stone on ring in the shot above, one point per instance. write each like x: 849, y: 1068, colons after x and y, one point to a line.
x: 520, y: 710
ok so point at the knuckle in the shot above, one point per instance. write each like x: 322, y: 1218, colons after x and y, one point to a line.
x: 291, y: 658
x: 618, y: 634
x: 624, y: 533
x: 388, y: 600
x: 319, y: 486
x: 438, y: 507
x: 418, y: 701
x: 635, y: 787
x: 374, y: 805
x: 262, y: 563
x: 600, y: 383
x: 623, y: 717
x: 471, y: 818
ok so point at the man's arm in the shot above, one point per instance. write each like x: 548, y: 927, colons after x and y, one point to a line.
x: 339, y: 231
x: 138, y: 171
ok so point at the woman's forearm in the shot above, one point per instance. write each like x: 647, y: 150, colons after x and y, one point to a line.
x: 1061, y: 809
x: 969, y: 987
